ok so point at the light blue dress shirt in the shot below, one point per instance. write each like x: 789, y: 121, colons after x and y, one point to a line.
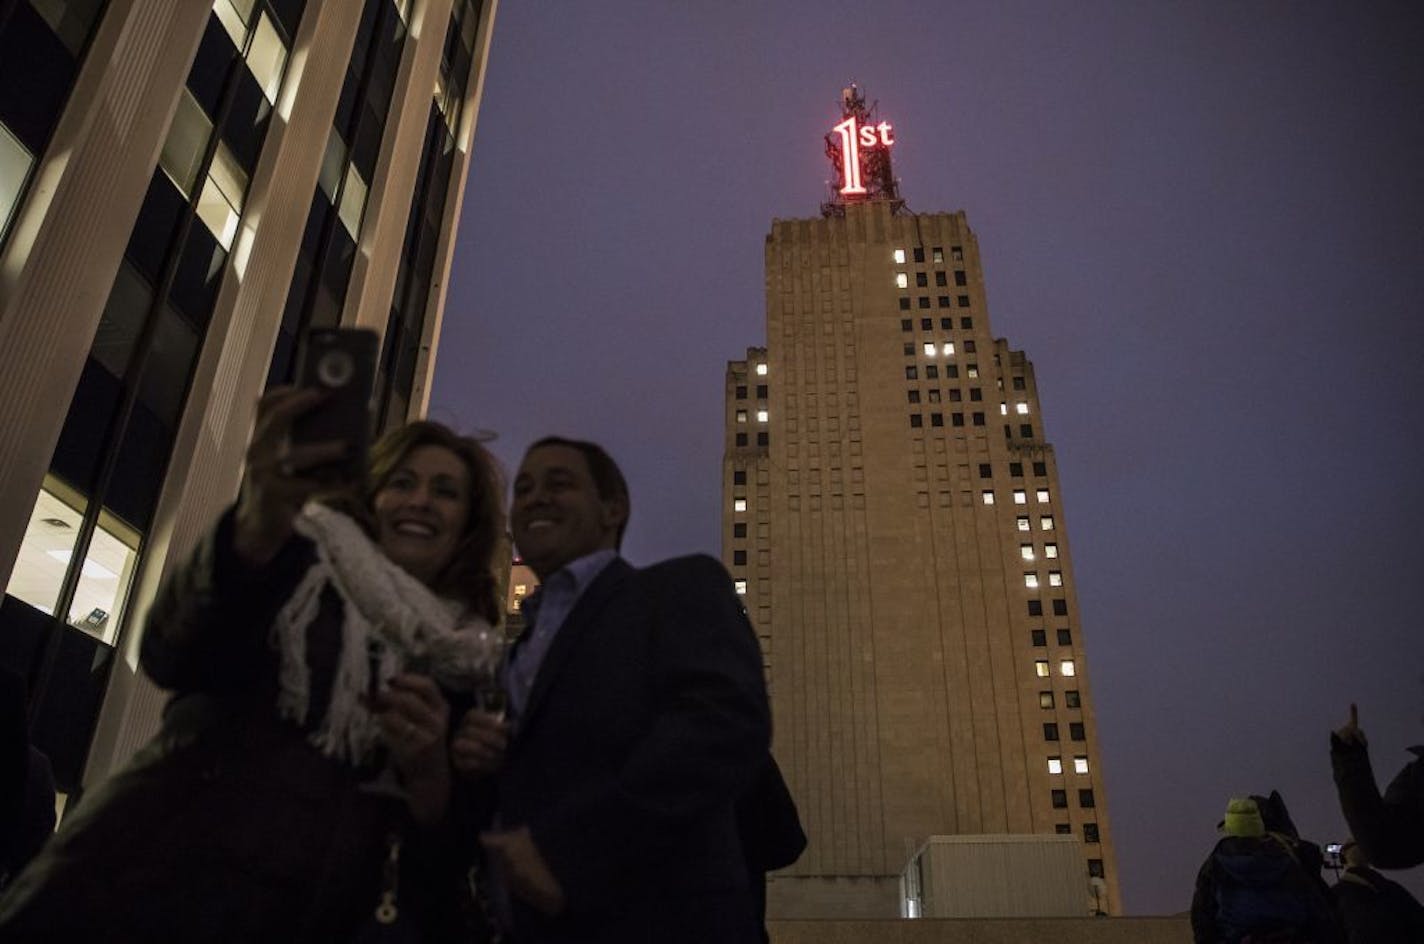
x: 545, y: 612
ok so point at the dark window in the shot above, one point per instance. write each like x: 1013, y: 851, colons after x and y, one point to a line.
x: 1090, y: 832
x: 1026, y: 430
x: 739, y: 477
x: 916, y: 421
x: 962, y: 301
x: 763, y: 439
x: 761, y: 391
x: 960, y: 278
x: 940, y: 279
x: 1065, y: 638
x: 1060, y: 607
x: 1071, y: 699
x: 976, y: 394
x: 1016, y: 469
x: 931, y: 372
x: 1076, y: 731
x: 905, y: 323
x: 1019, y: 383
x: 904, y: 304
x: 909, y: 348
x: 926, y: 324
x: 943, y: 302
x: 921, y: 280
x: 965, y: 323
x: 1085, y: 799
x: 739, y: 530
x: 956, y: 253
x: 954, y: 395
x: 951, y: 370
x: 986, y: 471
x: 919, y: 253
x: 946, y: 323
x: 1050, y: 731
x: 739, y: 558
x: 914, y: 395
x: 924, y: 301
x: 956, y: 419
x: 934, y: 396
x: 1060, y: 799
x: 978, y: 419
x: 1095, y: 868
x: 741, y: 392
x: 1045, y: 699
x: 936, y: 419
x: 1040, y: 468
x: 1063, y: 829
x: 1035, y: 607
x: 911, y: 373
x: 1039, y: 637
x: 741, y: 439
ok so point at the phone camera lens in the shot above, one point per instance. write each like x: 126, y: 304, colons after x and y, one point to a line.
x: 335, y: 369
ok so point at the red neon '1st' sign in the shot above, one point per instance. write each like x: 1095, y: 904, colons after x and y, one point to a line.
x: 852, y: 140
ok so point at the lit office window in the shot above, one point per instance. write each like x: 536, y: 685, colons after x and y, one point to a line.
x: 899, y: 257
x: 1026, y: 551
x: 1021, y: 408
x: 902, y: 280
x: 1041, y: 496
x: 739, y: 504
x: 1066, y: 668
x: 763, y: 416
x: 353, y: 200
x: 1023, y: 522
x: 761, y: 370
x: 267, y: 58
x: 929, y: 349
x: 1055, y: 765
x: 1080, y: 764
x: 233, y: 15
x: 220, y: 203
x: 1031, y: 581
x: 988, y: 497
x: 1055, y: 578
x: 1045, y: 523
x: 740, y: 586
x: 1020, y: 497
x: 1049, y: 550
x: 1040, y: 668
x: 949, y: 349
x: 741, y: 416
x: 182, y: 154
x: 45, y: 552
x: 15, y: 164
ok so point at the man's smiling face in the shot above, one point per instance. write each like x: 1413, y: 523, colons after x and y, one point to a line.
x: 558, y: 515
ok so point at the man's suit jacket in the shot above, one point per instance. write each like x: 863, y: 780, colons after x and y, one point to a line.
x: 646, y: 721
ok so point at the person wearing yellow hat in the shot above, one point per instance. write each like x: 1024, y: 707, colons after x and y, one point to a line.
x: 1257, y: 885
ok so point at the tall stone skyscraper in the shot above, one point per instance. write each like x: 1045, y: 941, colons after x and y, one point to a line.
x: 186, y: 187
x: 894, y: 520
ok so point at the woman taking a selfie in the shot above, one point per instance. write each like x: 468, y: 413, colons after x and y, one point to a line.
x: 300, y: 786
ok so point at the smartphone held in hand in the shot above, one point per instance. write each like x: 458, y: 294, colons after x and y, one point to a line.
x: 340, y: 362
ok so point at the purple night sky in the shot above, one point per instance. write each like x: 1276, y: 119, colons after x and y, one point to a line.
x: 1204, y: 223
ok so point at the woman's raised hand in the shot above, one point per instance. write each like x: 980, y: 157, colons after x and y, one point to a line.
x: 277, y: 479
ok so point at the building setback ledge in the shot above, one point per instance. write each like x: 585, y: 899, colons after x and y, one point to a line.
x: 1163, y: 930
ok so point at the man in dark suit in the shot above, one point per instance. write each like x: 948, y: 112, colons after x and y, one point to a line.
x: 639, y: 716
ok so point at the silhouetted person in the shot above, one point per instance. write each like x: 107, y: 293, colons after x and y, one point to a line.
x: 1260, y: 886
x: 1374, y: 909
x: 1389, y: 827
x: 26, y: 784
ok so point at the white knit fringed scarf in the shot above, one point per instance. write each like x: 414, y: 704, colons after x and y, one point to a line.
x: 389, y: 617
